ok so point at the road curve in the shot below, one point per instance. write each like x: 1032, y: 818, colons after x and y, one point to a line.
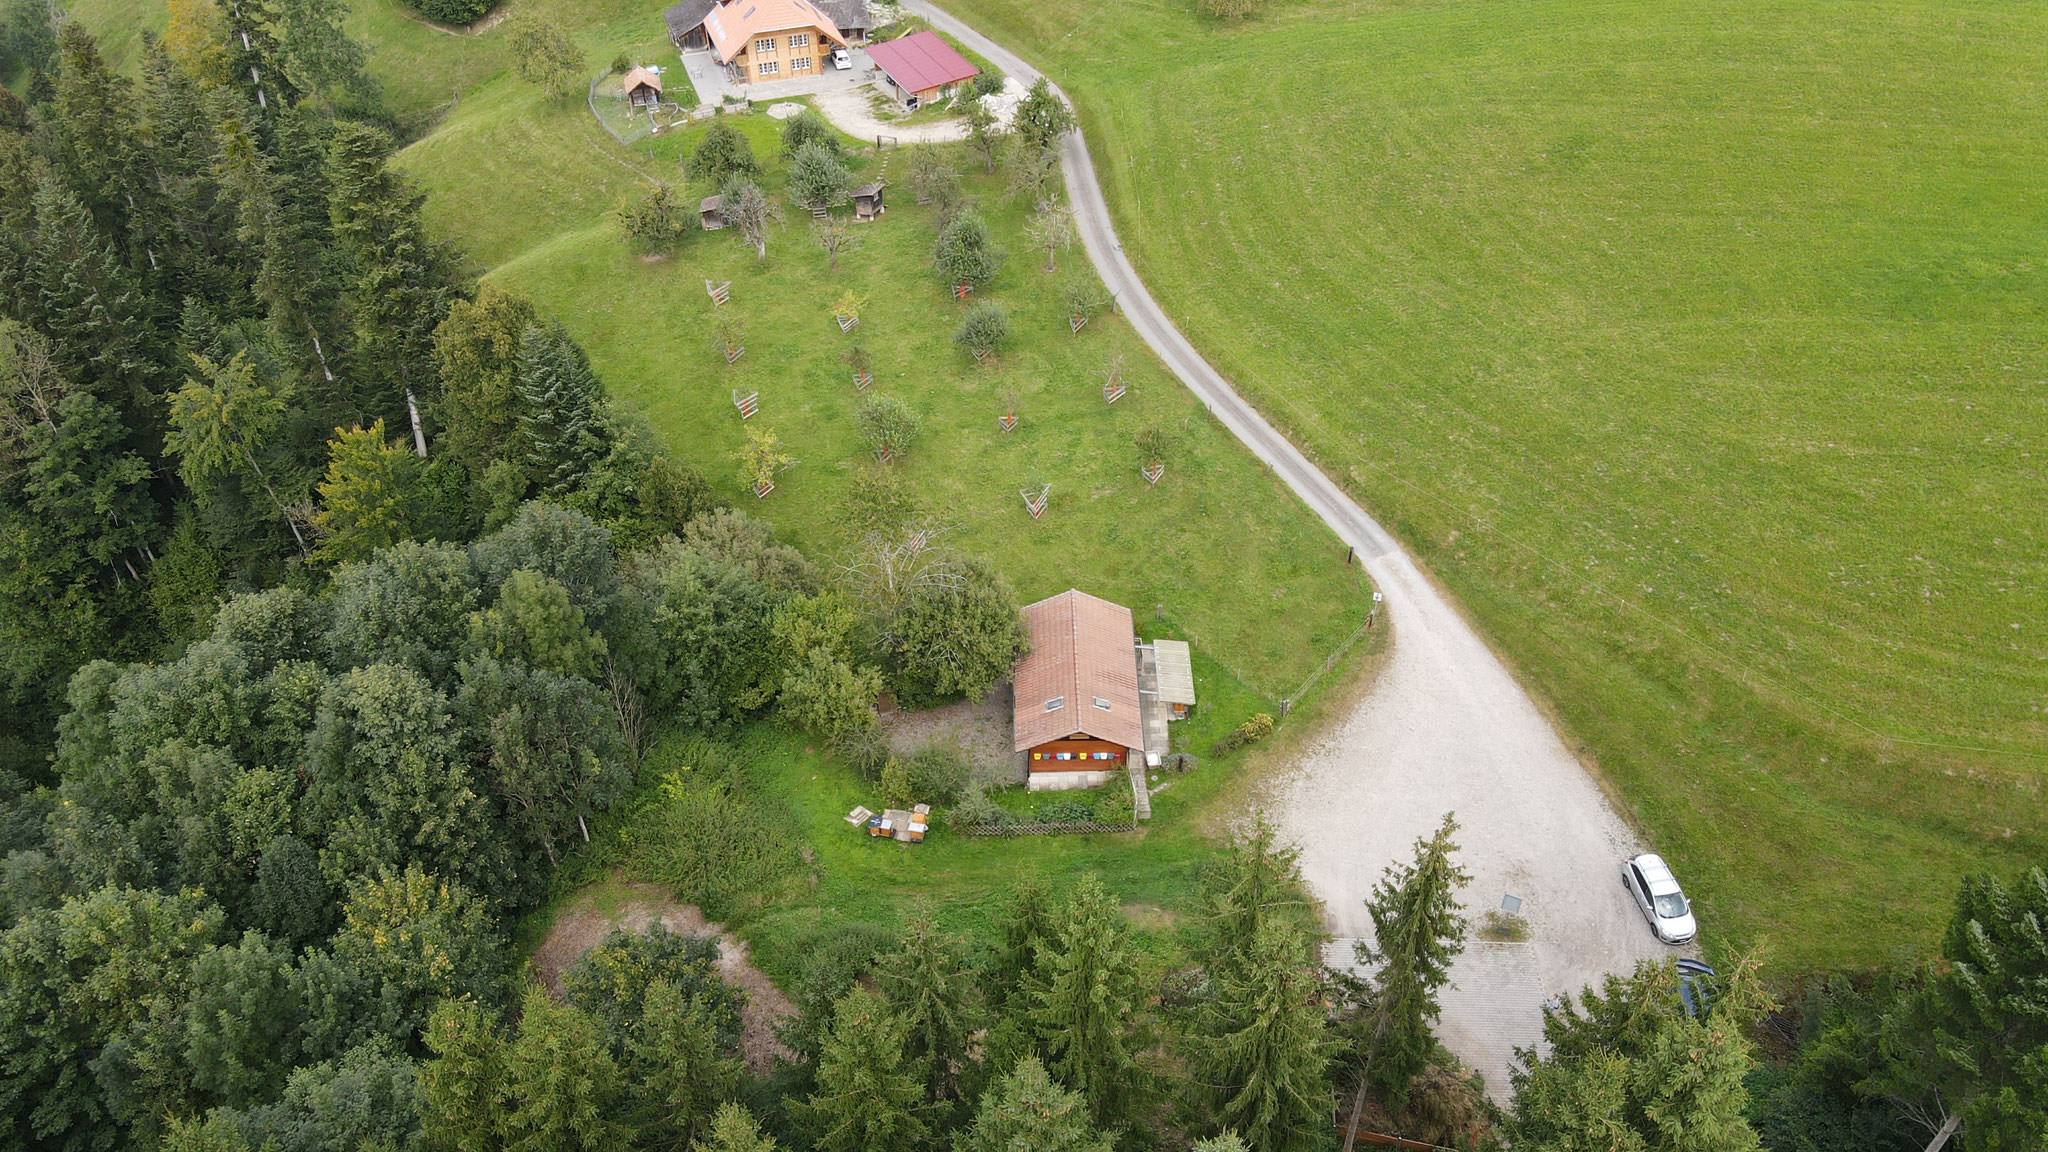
x: 1444, y: 727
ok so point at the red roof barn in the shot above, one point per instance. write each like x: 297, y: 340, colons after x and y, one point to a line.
x: 921, y: 66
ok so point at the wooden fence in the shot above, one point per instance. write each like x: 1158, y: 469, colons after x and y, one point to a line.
x: 1054, y: 828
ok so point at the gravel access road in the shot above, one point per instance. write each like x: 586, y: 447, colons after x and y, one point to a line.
x: 1443, y: 728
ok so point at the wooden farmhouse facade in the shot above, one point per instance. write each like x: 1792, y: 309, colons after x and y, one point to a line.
x: 768, y: 40
x: 1076, y: 703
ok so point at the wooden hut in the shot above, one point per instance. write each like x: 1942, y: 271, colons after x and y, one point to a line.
x: 712, y: 212
x: 642, y: 87
x: 1075, y: 712
x: 867, y: 203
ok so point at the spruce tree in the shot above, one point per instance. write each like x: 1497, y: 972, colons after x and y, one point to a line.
x: 1027, y: 1110
x: 1418, y: 931
x: 462, y: 1088
x: 870, y: 1094
x: 733, y: 1129
x: 561, y: 1085
x: 1260, y: 1059
x: 397, y: 279
x: 477, y: 351
x: 1087, y: 1000
x: 1632, y: 1068
x: 1986, y: 1011
x: 1026, y: 921
x: 927, y: 981
x: 562, y: 417
x: 1254, y: 883
x: 680, y: 1073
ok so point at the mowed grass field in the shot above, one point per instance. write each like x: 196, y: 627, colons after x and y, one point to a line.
x: 1701, y: 348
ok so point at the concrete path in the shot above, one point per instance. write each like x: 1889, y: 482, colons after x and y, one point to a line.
x: 1445, y: 727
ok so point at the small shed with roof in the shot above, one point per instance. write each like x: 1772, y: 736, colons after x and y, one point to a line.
x: 921, y: 67
x: 1176, y: 676
x: 867, y: 202
x: 642, y: 87
x: 711, y: 211
x: 1075, y: 709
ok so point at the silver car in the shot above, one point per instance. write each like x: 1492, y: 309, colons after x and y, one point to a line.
x: 1655, y: 890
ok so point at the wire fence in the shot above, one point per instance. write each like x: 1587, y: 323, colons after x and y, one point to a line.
x: 1054, y: 828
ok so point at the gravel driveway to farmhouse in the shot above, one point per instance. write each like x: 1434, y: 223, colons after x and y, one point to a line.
x: 850, y: 111
x: 1444, y: 728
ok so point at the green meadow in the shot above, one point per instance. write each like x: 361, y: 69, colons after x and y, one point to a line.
x: 1217, y: 552
x: 1698, y: 347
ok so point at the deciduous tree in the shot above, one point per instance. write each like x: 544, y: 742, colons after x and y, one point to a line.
x: 956, y: 639
x: 966, y: 254
x: 749, y: 210
x: 1051, y: 228
x: 544, y: 55
x: 721, y: 155
x: 986, y: 133
x: 1042, y: 116
x: 369, y: 498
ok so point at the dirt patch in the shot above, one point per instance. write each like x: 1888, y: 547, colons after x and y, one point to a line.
x: 1150, y: 917
x: 595, y: 913
x: 980, y: 729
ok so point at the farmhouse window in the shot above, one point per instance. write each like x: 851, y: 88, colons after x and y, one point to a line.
x: 800, y: 40
x: 765, y: 68
x: 1101, y: 703
x: 800, y: 64
x: 765, y: 44
x: 1056, y: 703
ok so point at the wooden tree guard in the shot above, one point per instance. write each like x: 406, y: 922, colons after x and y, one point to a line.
x: 1077, y: 322
x: 960, y: 291
x: 1113, y: 389
x: 1035, y: 501
x: 1153, y: 471
x: 733, y: 352
x: 818, y: 213
x: 763, y: 487
x: 720, y: 293
x: 981, y: 355
x: 846, y: 323
x: 862, y: 381
x: 885, y: 454
x: 924, y: 199
x: 1008, y: 420
x: 748, y: 404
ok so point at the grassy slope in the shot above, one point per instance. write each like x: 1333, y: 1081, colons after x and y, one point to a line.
x: 1241, y: 569
x: 1697, y: 346
x: 525, y: 187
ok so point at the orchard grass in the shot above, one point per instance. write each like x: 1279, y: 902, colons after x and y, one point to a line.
x: 1219, y: 541
x: 1696, y: 348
